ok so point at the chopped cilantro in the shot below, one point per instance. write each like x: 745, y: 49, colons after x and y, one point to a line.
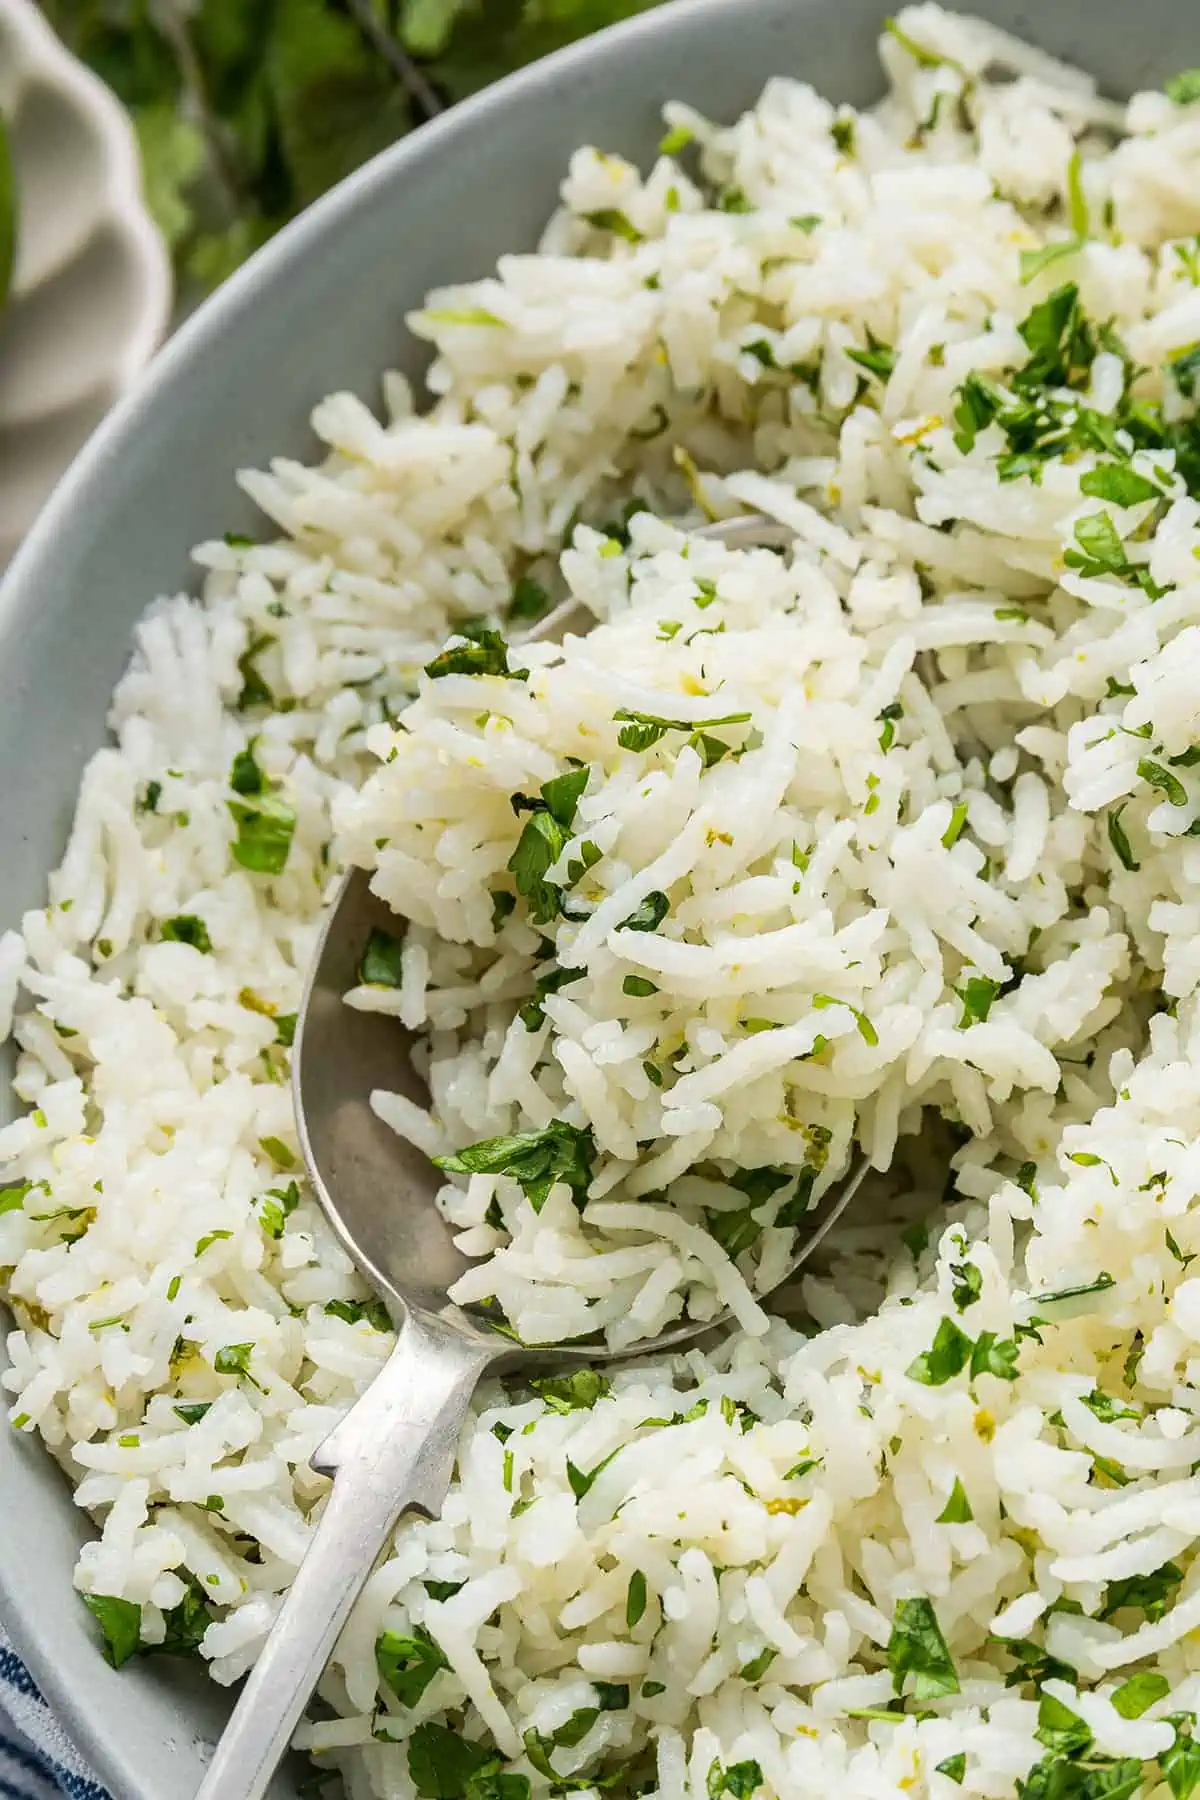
x: 878, y: 359
x: 946, y: 1357
x: 486, y: 653
x: 264, y: 833
x: 1120, y: 842
x: 1139, y: 1693
x: 121, y: 1623
x: 977, y: 995
x: 582, y: 1480
x: 619, y: 223
x: 382, y: 962
x: 279, y: 1205
x: 1162, y: 779
x: 529, y: 599
x: 917, y: 1648
x: 649, y: 914
x: 408, y: 1664
x: 1184, y: 88
x: 635, y: 1598
x: 1151, y: 1594
x: 533, y: 1159
x: 186, y: 928
x: 573, y: 1393
x: 1118, y: 484
x: 374, y: 1312
x: 957, y: 1510
x: 968, y: 1284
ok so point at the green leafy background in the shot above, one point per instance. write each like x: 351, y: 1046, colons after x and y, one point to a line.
x: 247, y: 110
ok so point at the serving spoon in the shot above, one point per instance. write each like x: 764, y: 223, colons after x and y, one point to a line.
x: 394, y: 1450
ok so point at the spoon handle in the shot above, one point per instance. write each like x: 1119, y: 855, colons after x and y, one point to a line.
x: 393, y: 1450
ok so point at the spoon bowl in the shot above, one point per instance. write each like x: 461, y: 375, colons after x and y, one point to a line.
x: 394, y: 1450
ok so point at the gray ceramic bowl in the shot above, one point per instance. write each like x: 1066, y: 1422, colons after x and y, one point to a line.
x: 322, y: 308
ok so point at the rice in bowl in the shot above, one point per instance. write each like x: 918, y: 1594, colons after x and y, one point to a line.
x: 787, y: 856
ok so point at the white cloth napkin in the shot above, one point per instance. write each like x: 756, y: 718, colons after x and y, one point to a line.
x: 37, y: 1759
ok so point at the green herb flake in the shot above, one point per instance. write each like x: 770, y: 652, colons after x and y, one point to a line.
x: 993, y: 1356
x: 635, y: 1598
x: 957, y: 1510
x: 1119, y: 485
x: 953, y: 831
x: 582, y: 1480
x: 191, y: 1411
x: 573, y: 1393
x: 954, y: 1767
x: 355, y: 1312
x: 445, y: 1765
x: 917, y: 1648
x: 1119, y: 840
x: 866, y: 1030
x: 121, y: 1623
x: 264, y: 833
x: 533, y: 1159
x: 618, y: 223
x: 649, y: 914
x: 530, y: 600
x: 186, y: 928
x: 255, y: 690
x: 1140, y: 1693
x: 1161, y: 778
x: 233, y: 1359
x: 486, y: 653
x: 1060, y: 1729
x: 1180, y: 1764
x: 758, y: 1665
x: 382, y: 962
x: 408, y: 1664
x: 946, y: 1357
x: 1183, y: 89
x: 878, y: 359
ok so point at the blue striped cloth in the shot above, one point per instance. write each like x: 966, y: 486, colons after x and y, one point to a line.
x: 37, y: 1759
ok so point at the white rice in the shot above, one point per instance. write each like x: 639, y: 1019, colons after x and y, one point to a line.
x: 978, y: 1452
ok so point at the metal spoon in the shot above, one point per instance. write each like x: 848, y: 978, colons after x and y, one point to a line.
x: 394, y: 1450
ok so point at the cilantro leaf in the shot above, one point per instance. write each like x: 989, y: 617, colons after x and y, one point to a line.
x: 649, y: 914
x: 1119, y: 484
x: 408, y: 1664
x: 486, y: 653
x: 878, y: 359
x: 992, y: 1357
x: 917, y: 1648
x: 382, y: 962
x: 957, y: 1510
x: 1184, y: 88
x: 573, y: 1393
x: 1161, y: 778
x: 264, y: 833
x: 1150, y: 1594
x: 443, y: 1763
x: 534, y: 1159
x: 946, y: 1357
x: 1119, y: 840
x: 186, y: 928
x: 1139, y: 1693
x: 1060, y: 1729
x: 121, y: 1623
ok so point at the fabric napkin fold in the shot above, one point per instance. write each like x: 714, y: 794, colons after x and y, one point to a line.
x: 37, y: 1759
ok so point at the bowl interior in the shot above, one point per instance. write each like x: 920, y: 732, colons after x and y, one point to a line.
x: 322, y: 309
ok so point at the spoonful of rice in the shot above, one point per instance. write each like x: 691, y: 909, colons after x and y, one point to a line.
x: 395, y: 1449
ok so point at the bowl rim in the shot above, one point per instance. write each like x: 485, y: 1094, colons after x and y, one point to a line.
x: 46, y: 57
x: 95, y: 1731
